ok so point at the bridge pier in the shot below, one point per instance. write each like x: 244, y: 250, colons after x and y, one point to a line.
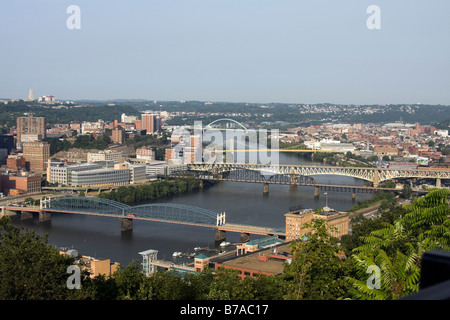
x: 293, y: 180
x: 200, y: 185
x: 219, y: 235
x: 127, y: 224
x: 438, y: 182
x: 44, y: 216
x: 353, y: 195
x: 25, y: 215
x: 316, y: 192
x: 266, y: 188
x: 245, y: 237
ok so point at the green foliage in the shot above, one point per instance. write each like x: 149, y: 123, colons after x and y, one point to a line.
x: 152, y: 190
x: 66, y: 114
x: 30, y: 269
x: 387, y: 200
x: 395, y: 242
x: 397, y: 247
x: 89, y: 142
x: 316, y: 271
x: 57, y: 145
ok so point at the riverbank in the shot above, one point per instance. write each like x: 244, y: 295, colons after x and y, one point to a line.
x: 153, y: 190
x: 365, y: 211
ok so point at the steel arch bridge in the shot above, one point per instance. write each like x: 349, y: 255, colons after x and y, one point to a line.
x: 208, y: 126
x: 163, y: 212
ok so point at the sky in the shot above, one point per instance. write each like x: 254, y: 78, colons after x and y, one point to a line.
x: 257, y: 51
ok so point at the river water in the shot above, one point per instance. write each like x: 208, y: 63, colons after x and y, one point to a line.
x: 244, y: 203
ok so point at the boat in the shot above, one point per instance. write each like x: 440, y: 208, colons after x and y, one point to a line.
x: 177, y: 254
x: 197, y: 248
x: 224, y: 243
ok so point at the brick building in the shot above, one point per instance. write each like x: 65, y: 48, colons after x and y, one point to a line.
x: 267, y: 261
x: 145, y: 152
x: 36, y: 156
x: 33, y: 126
x: 15, y: 163
x: 17, y: 185
x: 118, y: 135
x: 296, y: 220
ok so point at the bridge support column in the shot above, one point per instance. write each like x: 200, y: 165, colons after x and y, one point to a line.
x: 438, y: 182
x: 376, y: 179
x: 127, y: 224
x: 266, y: 188
x: 25, y: 215
x: 353, y: 195
x: 200, y: 184
x: 245, y: 237
x: 293, y: 181
x: 5, y: 212
x: 219, y: 235
x: 44, y: 216
x: 316, y: 192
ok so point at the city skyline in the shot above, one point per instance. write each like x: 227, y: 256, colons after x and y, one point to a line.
x: 233, y: 51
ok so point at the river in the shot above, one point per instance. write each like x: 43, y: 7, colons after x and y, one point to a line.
x: 244, y: 203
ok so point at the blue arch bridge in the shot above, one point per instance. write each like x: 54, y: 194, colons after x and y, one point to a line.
x: 159, y: 212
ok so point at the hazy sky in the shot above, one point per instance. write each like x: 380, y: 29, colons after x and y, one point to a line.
x: 228, y: 50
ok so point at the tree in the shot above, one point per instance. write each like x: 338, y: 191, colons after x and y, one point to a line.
x: 397, y: 248
x: 30, y: 269
x: 128, y: 280
x: 407, y: 191
x: 316, y: 272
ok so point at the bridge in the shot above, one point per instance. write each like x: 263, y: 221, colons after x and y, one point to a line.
x: 158, y: 212
x: 301, y: 174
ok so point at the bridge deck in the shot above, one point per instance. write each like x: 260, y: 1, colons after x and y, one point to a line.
x: 225, y: 227
x: 250, y: 229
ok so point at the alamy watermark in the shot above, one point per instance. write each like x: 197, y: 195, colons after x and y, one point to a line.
x: 374, y: 20
x: 228, y: 145
x: 74, y: 280
x: 73, y: 22
x: 374, y: 281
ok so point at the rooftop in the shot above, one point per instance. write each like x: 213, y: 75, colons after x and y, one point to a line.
x: 274, y: 264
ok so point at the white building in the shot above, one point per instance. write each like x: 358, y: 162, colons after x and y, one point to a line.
x: 61, y: 174
x: 127, y: 119
x: 442, y: 133
x: 106, y: 155
x: 137, y: 173
x: 99, y: 177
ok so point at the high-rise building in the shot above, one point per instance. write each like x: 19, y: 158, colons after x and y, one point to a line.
x: 118, y: 135
x: 7, y: 142
x: 30, y: 95
x: 151, y: 122
x: 36, y: 156
x: 30, y: 129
